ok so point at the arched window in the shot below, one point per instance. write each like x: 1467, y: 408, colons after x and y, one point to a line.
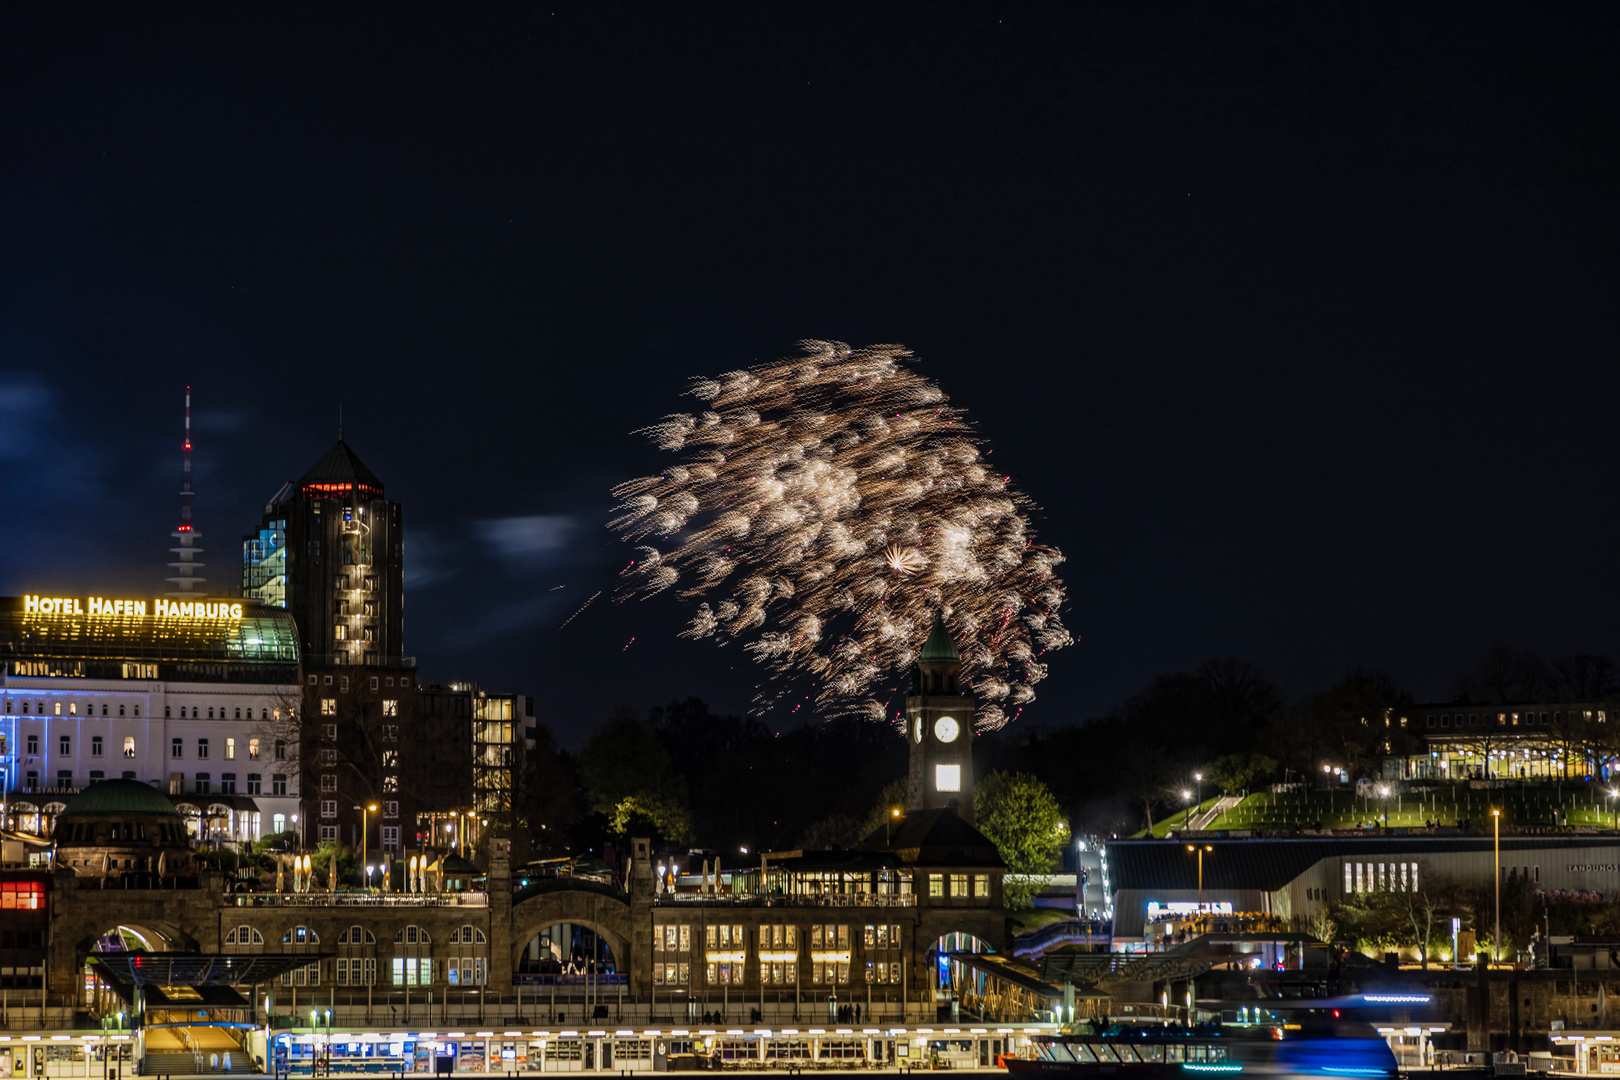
x: 244, y: 935
x: 411, y: 965
x: 467, y: 935
x: 412, y: 935
x: 357, y: 935
x: 300, y: 935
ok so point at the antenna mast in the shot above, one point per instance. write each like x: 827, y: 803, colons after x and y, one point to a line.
x: 189, y: 581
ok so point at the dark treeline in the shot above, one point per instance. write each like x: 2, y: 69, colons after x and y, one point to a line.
x: 693, y: 777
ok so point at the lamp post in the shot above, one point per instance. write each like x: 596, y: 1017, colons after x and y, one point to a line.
x: 1186, y: 821
x: 1496, y: 847
x: 365, y: 835
x: 1383, y: 797
x: 888, y: 824
x: 300, y: 825
x: 1200, y: 849
x: 1198, y: 780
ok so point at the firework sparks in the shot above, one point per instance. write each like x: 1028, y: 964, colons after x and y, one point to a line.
x: 827, y: 506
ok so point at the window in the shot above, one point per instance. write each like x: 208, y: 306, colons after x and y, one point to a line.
x: 981, y: 885
x: 413, y: 971
x: 97, y: 774
x: 356, y: 971
x: 328, y: 706
x: 227, y: 783
x: 338, y: 634
x: 947, y: 778
x: 328, y: 677
x: 467, y: 935
x: 390, y: 837
x: 95, y: 746
x: 936, y: 884
x: 390, y: 707
x: 308, y: 975
x: 374, y: 682
x: 412, y: 935
x: 344, y: 684
x: 230, y: 749
x: 329, y: 808
x: 390, y: 759
x: 244, y: 935
x: 328, y: 832
x: 165, y: 712
x: 328, y: 783
x: 328, y: 757
x: 211, y: 713
x: 254, y: 784
x: 357, y: 935
x: 129, y: 746
x: 959, y: 884
x: 329, y: 732
x: 202, y: 749
x: 466, y: 970
x: 390, y: 784
x: 391, y: 808
x: 177, y: 748
x: 33, y: 741
x: 65, y: 745
x: 278, y: 784
x: 253, y: 749
x: 390, y: 732
x: 281, y: 750
x: 202, y: 783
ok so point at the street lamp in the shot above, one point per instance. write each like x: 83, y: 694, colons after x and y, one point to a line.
x: 300, y: 825
x: 1198, y: 779
x: 1200, y: 849
x: 1186, y: 797
x: 1383, y: 796
x: 365, y: 835
x: 369, y: 869
x: 1496, y: 846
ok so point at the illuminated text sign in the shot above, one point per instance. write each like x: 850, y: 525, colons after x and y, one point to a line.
x: 163, y: 609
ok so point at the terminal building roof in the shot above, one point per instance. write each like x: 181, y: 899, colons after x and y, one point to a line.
x: 260, y: 646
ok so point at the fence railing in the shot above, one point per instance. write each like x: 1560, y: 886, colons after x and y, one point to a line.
x: 387, y: 900
x: 855, y: 900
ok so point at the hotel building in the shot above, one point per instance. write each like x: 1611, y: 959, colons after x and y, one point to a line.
x: 197, y: 699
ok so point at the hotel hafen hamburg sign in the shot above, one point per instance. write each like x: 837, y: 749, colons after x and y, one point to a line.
x: 160, y: 609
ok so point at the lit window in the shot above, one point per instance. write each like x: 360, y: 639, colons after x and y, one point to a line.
x: 129, y: 746
x: 947, y: 778
x: 390, y: 707
x: 328, y: 706
x: 253, y: 749
x: 936, y: 884
x: 230, y: 749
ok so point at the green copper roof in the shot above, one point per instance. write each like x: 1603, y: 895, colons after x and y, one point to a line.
x: 939, y: 645
x: 119, y: 797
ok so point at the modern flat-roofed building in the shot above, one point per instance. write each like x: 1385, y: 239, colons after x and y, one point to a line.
x: 1294, y: 879
x: 188, y: 697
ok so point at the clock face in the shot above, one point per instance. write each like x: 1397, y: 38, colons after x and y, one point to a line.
x: 919, y: 729
x: 945, y: 729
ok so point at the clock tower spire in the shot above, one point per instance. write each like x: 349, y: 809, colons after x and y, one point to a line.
x: 939, y: 728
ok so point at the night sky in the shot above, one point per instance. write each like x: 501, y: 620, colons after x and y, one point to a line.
x: 1298, y: 322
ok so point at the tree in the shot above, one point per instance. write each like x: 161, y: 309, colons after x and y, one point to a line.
x: 1022, y: 818
x: 1237, y: 773
x: 628, y: 779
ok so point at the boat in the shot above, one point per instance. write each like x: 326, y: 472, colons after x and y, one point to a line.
x: 1300, y: 1045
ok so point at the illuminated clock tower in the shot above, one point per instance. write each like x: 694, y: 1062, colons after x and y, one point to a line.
x: 939, y: 727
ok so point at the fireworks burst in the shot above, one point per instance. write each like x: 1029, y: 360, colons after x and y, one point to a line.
x: 830, y: 504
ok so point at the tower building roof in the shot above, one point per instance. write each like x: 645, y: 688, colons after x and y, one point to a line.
x: 338, y: 472
x: 940, y: 645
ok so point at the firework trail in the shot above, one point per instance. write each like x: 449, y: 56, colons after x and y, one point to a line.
x: 826, y: 507
x: 582, y: 608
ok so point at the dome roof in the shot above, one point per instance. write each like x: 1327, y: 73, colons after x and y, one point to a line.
x: 123, y: 798
x: 939, y: 645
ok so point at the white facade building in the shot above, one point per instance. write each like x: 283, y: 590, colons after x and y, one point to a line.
x: 200, y: 704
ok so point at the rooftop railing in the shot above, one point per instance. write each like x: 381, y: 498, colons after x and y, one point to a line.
x: 857, y: 900
x: 385, y: 900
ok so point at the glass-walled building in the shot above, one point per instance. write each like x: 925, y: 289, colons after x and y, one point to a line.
x: 1533, y: 741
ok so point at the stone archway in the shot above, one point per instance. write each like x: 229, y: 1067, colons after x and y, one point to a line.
x: 603, y: 910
